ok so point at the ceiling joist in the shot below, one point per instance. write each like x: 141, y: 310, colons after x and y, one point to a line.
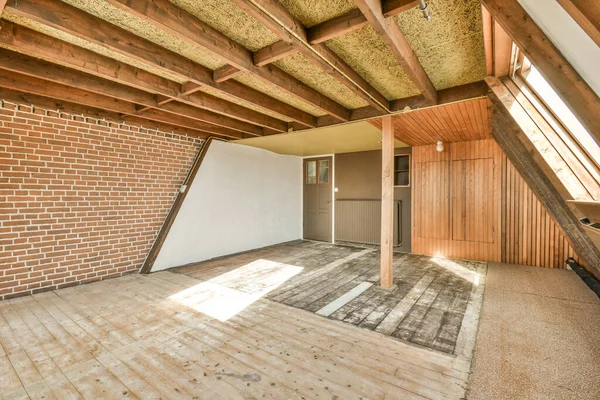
x: 390, y: 32
x: 289, y: 29
x: 172, y: 19
x: 61, y: 16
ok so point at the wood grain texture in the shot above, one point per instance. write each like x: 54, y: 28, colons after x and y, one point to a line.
x: 132, y: 338
x: 288, y: 28
x: 174, y: 20
x: 587, y: 14
x: 390, y: 33
x: 508, y: 128
x: 553, y: 66
x: 456, y: 200
x: 531, y: 235
x: 387, y: 203
x: 431, y: 305
x: 224, y: 73
x: 455, y: 122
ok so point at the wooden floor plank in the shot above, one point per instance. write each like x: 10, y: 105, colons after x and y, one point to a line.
x: 134, y: 337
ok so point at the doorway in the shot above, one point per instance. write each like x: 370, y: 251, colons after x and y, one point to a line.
x: 318, y: 173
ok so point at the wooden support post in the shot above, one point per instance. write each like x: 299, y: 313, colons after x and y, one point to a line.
x: 387, y: 201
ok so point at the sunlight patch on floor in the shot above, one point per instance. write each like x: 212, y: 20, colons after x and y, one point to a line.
x: 458, y: 270
x: 226, y: 295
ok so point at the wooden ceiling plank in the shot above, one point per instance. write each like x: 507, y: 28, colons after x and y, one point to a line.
x: 226, y: 72
x: 281, y: 22
x: 69, y: 19
x: 442, y: 115
x: 472, y: 115
x: 176, y: 21
x: 445, y: 96
x: 464, y: 111
x: 390, y: 32
x: 587, y: 14
x: 478, y: 118
x: 548, y: 60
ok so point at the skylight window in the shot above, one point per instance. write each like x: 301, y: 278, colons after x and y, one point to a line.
x: 560, y: 110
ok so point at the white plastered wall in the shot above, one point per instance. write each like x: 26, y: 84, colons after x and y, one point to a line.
x: 242, y: 198
x: 572, y: 41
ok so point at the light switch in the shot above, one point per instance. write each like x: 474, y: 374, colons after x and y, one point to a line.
x: 335, y: 190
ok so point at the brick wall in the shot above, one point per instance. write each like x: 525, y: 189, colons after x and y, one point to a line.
x: 81, y: 199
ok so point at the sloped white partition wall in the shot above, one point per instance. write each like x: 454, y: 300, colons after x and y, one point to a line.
x: 568, y: 37
x: 242, y: 198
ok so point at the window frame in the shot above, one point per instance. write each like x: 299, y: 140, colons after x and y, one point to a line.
x: 518, y: 69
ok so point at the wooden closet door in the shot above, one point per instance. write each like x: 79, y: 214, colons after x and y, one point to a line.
x: 432, y: 204
x: 473, y: 200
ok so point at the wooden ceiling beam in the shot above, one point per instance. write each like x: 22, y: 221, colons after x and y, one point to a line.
x: 587, y: 14
x: 23, y: 65
x: 502, y: 51
x: 64, y: 17
x: 23, y: 83
x: 225, y: 72
x: 2, y: 6
x: 22, y: 39
x: 388, y: 30
x: 454, y: 94
x: 510, y: 125
x: 52, y: 104
x: 549, y: 61
x: 272, y: 53
x: 393, y: 7
x: 488, y: 40
x: 338, y: 26
x: 280, y: 21
x: 170, y: 18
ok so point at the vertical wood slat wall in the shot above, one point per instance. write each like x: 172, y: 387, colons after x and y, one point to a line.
x: 530, y: 234
x: 525, y: 232
x: 441, y: 223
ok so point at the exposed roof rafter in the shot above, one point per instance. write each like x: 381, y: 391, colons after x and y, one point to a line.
x: 388, y: 30
x: 64, y: 17
x: 174, y: 20
x: 587, y: 14
x: 274, y: 16
x: 553, y: 66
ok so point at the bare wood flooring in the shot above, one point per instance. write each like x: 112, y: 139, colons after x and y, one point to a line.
x: 435, y: 302
x: 172, y: 336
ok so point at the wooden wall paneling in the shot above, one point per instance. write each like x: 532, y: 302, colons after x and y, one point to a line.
x: 532, y: 236
x: 455, y: 122
x: 456, y: 200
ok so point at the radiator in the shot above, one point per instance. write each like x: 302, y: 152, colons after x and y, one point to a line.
x: 358, y: 220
